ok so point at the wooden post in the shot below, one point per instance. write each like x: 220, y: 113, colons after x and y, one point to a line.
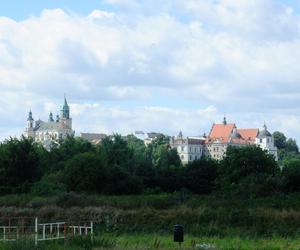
x: 65, y: 230
x: 22, y: 226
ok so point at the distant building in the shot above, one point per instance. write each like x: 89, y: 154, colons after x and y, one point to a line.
x: 140, y: 135
x: 188, y: 148
x: 52, y: 131
x: 223, y: 135
x: 93, y: 137
x: 147, y: 137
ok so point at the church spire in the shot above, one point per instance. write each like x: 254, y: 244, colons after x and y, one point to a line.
x: 30, y: 118
x: 51, y: 117
x: 224, y: 120
x: 65, y: 112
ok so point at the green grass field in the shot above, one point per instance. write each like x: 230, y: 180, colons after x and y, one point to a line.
x: 163, y: 242
x: 146, y: 221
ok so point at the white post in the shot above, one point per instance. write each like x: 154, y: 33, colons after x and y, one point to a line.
x: 57, y: 230
x: 44, y: 232
x: 36, y: 231
x: 51, y: 228
x: 92, y: 231
x: 4, y: 237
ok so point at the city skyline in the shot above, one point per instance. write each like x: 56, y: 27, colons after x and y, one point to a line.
x: 135, y: 65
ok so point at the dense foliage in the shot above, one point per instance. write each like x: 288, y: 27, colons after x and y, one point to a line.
x: 124, y: 165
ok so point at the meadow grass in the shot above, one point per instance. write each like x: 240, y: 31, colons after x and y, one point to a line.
x: 146, y: 221
x: 159, y: 242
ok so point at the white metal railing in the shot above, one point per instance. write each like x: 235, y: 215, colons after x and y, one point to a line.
x: 46, y: 231
x: 6, y: 233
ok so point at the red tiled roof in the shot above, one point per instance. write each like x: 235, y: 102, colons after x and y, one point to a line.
x: 221, y: 131
x: 249, y: 134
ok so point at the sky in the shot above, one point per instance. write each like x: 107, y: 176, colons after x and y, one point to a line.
x: 151, y: 65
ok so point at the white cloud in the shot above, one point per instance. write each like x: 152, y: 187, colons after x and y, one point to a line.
x: 177, y: 65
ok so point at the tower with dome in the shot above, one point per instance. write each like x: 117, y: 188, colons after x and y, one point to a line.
x: 51, y: 131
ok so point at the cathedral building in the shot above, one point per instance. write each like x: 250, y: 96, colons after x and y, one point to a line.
x: 52, y: 131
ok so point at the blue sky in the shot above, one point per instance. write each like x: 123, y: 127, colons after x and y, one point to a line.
x: 165, y: 66
x: 20, y: 9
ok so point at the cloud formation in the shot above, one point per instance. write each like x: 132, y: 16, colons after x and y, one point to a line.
x: 179, y: 65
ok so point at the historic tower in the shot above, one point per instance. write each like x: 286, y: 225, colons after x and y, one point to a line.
x: 65, y: 115
x: 29, y: 132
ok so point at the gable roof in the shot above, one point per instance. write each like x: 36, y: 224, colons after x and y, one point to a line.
x: 221, y: 131
x: 249, y: 133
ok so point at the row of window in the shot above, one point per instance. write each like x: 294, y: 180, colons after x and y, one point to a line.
x: 269, y: 140
x: 191, y: 158
x: 191, y: 149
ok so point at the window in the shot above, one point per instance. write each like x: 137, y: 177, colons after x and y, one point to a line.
x: 182, y: 148
x: 190, y: 157
x: 260, y: 140
x: 182, y: 157
x: 268, y: 140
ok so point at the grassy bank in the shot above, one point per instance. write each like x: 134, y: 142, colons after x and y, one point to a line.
x: 162, y: 242
x: 202, y: 216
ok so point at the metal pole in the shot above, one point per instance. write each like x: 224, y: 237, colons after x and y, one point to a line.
x: 36, y: 231
x: 44, y: 232
x: 57, y: 230
x: 92, y: 232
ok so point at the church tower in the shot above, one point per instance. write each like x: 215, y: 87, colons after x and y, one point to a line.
x: 265, y: 141
x: 65, y: 115
x: 29, y: 133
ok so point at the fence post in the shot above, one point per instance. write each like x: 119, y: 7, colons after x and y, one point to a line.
x: 65, y: 230
x: 58, y: 230
x: 92, y: 232
x: 36, y: 231
x: 44, y: 232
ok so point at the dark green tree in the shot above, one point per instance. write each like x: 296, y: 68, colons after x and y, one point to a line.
x: 291, y: 174
x: 86, y: 172
x: 19, y: 164
x: 201, y: 175
x: 248, y: 171
x: 116, y: 151
x: 291, y: 146
x: 279, y: 140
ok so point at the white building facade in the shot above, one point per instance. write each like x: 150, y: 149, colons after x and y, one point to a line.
x: 265, y: 141
x: 52, y: 131
x: 189, y: 149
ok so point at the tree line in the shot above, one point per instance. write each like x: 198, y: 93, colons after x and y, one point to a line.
x: 124, y: 165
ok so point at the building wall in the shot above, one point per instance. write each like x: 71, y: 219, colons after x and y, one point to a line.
x: 216, y: 150
x: 188, y: 149
x: 268, y: 145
